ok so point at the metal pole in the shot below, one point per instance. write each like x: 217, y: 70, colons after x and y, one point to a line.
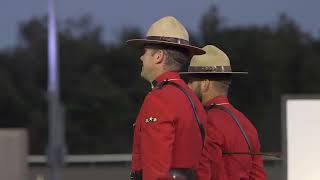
x: 56, y: 146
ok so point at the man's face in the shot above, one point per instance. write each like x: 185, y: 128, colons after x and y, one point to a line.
x: 195, y: 85
x: 148, y: 64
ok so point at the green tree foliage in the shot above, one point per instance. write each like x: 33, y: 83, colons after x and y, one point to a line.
x: 102, y: 90
x: 280, y: 59
x: 100, y: 86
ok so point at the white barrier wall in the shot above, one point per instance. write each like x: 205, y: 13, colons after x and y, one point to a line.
x: 13, y: 154
x: 302, y: 133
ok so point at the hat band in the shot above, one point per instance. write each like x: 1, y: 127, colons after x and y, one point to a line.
x: 209, y: 69
x: 168, y: 39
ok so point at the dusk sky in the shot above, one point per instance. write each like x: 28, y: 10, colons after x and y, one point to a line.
x: 113, y: 15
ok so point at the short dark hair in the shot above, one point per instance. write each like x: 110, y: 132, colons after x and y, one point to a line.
x: 177, y: 57
x: 221, y: 81
x: 222, y: 85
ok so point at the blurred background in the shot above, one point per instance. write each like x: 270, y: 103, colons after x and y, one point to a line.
x: 277, y: 42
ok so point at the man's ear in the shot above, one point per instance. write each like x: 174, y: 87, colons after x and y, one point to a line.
x: 159, y: 56
x: 204, y: 85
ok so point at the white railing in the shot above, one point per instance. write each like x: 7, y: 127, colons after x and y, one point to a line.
x: 90, y: 158
x: 100, y: 158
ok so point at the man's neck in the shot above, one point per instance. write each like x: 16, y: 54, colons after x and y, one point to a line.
x: 157, y: 74
x: 207, y: 97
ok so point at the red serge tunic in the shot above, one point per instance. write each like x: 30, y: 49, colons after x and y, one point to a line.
x: 225, y: 136
x: 166, y: 133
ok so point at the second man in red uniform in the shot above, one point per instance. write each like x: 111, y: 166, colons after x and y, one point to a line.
x: 232, y: 144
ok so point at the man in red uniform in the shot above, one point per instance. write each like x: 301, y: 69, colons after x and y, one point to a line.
x: 169, y: 129
x: 232, y: 141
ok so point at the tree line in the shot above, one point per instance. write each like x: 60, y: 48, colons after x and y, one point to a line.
x: 102, y: 90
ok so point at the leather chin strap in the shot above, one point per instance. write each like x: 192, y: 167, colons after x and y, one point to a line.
x: 168, y: 82
x: 243, y: 132
x: 235, y: 119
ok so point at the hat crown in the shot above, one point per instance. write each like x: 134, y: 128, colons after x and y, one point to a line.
x: 167, y: 31
x: 213, y: 57
x: 168, y: 26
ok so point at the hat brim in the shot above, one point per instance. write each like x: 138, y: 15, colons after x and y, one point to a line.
x: 140, y: 43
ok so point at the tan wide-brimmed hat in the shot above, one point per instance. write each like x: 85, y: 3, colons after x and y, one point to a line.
x: 167, y: 31
x: 214, y: 61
